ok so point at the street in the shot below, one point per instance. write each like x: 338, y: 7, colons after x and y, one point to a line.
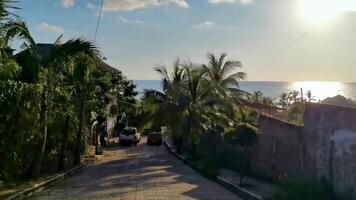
x: 141, y: 173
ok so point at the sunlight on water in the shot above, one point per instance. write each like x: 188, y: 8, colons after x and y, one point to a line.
x: 320, y: 90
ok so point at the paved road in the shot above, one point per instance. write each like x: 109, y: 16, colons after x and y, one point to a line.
x: 140, y: 173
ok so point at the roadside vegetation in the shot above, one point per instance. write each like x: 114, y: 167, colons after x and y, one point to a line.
x: 308, y: 190
x: 202, y: 108
x: 203, y: 100
x: 290, y: 105
x: 49, y: 100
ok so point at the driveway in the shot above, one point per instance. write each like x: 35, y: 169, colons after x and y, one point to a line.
x: 142, y: 173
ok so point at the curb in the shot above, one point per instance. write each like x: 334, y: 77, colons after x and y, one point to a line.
x: 239, y: 191
x: 174, y: 152
x: 28, y: 192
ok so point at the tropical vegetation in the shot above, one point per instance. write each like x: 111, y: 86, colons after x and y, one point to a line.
x: 200, y: 100
x: 50, y: 94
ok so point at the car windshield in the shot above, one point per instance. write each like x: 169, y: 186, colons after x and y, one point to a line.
x: 129, y: 132
x: 154, y: 133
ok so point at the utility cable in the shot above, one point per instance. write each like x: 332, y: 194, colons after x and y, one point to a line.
x: 299, y: 38
x: 99, y: 17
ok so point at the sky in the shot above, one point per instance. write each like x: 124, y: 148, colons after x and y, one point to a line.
x: 276, y: 40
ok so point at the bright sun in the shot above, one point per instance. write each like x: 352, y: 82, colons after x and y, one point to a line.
x: 317, y: 11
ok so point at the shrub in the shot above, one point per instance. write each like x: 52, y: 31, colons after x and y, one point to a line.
x: 19, y: 116
x: 307, y: 190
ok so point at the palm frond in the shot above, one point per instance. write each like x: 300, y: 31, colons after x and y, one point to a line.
x: 166, y: 81
x: 6, y: 6
x: 65, y: 52
x: 19, y: 29
x: 233, y: 79
x: 229, y: 66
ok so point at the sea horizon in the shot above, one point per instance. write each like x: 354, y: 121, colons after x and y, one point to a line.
x: 319, y: 89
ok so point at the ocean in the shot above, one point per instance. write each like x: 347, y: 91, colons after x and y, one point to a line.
x: 319, y: 89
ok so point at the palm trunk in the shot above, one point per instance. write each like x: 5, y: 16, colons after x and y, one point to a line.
x: 78, y: 144
x: 62, y: 154
x: 35, y: 167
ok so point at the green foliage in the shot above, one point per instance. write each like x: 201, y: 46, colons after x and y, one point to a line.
x: 196, y: 99
x: 19, y: 130
x: 48, y: 91
x: 209, y: 168
x: 243, y: 135
x: 9, y: 70
x: 307, y: 190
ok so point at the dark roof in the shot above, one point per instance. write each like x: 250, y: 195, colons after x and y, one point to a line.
x: 260, y: 106
x: 44, y: 48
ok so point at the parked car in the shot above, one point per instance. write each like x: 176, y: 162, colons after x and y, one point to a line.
x: 129, y: 136
x: 154, y: 138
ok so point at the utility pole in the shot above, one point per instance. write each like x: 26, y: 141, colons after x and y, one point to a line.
x: 302, y: 95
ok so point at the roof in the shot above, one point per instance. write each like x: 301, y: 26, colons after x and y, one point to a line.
x: 44, y: 48
x: 259, y: 106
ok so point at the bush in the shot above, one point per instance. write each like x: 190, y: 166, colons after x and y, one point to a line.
x: 210, y: 168
x: 307, y: 190
x: 19, y: 130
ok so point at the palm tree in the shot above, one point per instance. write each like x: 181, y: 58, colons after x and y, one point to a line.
x: 294, y: 96
x: 257, y: 96
x: 49, y: 66
x: 84, y: 66
x: 284, y: 100
x: 220, y: 71
x: 267, y: 100
x: 168, y: 107
x: 224, y: 84
x: 310, y: 96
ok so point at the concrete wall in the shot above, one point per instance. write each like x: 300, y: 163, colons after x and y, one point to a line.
x: 330, y: 144
x: 278, y: 150
x: 324, y: 147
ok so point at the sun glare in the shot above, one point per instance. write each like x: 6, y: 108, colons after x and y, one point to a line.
x: 318, y: 11
x: 320, y: 89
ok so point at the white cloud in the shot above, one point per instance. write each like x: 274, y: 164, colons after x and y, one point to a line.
x: 67, y: 3
x: 51, y: 28
x: 127, y: 21
x: 230, y: 1
x: 206, y: 24
x: 128, y: 5
x: 91, y: 6
x: 180, y: 3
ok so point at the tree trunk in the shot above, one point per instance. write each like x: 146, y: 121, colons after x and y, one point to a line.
x: 35, y: 167
x: 96, y: 139
x: 241, y: 179
x: 62, y: 154
x: 78, y: 144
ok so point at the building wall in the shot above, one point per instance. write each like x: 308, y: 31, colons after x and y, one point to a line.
x: 110, y: 120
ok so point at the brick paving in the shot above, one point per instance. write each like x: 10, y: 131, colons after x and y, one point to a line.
x: 140, y: 173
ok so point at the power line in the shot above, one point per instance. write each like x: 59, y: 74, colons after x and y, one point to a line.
x: 99, y: 17
x: 300, y: 37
